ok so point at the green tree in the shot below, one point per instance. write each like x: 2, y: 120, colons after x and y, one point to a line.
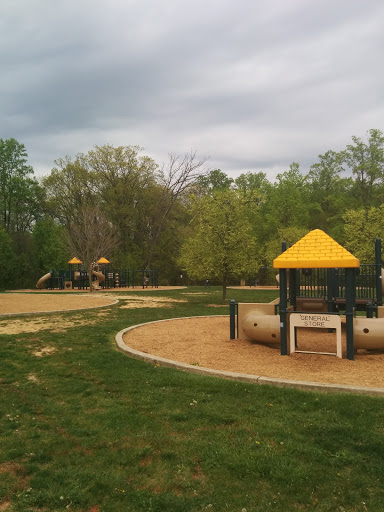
x: 252, y: 184
x: 50, y: 247
x: 222, y: 245
x: 362, y: 227
x: 69, y: 187
x: 286, y: 204
x: 20, y: 194
x: 253, y: 188
x: 272, y: 248
x: 329, y: 194
x: 366, y: 160
x: 8, y: 260
x: 213, y: 181
x: 130, y: 190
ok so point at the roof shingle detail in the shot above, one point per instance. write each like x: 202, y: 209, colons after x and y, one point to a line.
x: 316, y: 250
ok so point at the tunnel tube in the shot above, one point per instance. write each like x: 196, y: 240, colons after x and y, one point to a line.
x: 368, y: 333
x: 261, y: 327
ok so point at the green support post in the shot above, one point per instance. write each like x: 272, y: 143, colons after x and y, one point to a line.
x: 331, y: 275
x: 283, y: 312
x: 297, y: 280
x: 379, y: 293
x: 349, y: 309
x: 331, y: 279
x: 283, y: 306
x: 232, y: 319
x: 292, y: 293
x: 292, y: 287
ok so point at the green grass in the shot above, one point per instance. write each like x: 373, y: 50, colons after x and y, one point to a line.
x: 89, y: 429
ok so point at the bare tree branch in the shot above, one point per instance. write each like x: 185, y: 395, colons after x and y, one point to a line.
x: 176, y: 177
x: 91, y: 237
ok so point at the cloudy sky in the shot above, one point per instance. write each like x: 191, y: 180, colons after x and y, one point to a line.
x: 251, y: 84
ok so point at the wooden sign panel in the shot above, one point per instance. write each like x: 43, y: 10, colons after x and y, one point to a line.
x: 315, y: 320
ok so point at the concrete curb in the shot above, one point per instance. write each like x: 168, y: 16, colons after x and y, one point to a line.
x: 255, y: 379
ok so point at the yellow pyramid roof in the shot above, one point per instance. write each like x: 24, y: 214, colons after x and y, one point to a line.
x: 103, y: 260
x: 75, y: 260
x: 316, y: 250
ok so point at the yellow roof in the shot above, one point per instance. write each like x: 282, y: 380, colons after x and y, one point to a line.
x: 316, y: 250
x: 75, y: 260
x: 103, y: 260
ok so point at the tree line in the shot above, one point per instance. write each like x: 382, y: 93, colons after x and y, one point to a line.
x: 189, y: 222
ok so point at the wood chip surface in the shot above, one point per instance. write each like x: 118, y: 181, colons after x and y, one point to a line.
x: 205, y: 342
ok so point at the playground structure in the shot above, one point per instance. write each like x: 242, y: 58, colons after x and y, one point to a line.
x: 326, y: 286
x: 103, y: 277
x: 99, y: 276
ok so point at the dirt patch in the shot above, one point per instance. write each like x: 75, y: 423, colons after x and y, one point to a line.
x: 123, y: 288
x: 205, y: 342
x: 49, y: 322
x: 33, y: 378
x: 195, y: 293
x: 145, y: 301
x: 21, y: 303
x: 14, y: 303
x: 45, y: 351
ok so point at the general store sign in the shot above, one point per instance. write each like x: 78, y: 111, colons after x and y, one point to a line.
x: 315, y: 320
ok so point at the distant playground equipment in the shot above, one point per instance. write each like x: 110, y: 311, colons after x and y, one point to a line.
x: 44, y: 278
x: 145, y: 277
x: 326, y: 285
x: 100, y: 277
x: 103, y: 277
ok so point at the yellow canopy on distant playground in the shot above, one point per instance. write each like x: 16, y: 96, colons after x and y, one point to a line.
x: 103, y: 260
x: 74, y: 261
x: 316, y: 250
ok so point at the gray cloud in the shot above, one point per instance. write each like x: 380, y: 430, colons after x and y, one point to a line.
x: 254, y: 84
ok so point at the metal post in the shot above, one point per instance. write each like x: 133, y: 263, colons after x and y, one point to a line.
x: 330, y: 281
x: 232, y: 319
x: 297, y: 279
x: 349, y: 309
x: 379, y: 293
x: 283, y: 312
x: 292, y: 288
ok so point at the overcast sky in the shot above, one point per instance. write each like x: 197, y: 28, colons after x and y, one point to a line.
x: 252, y: 84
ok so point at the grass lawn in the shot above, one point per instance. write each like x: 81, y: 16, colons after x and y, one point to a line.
x: 86, y: 428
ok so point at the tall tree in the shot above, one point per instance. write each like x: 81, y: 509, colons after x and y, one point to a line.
x: 212, y: 181
x: 20, y: 194
x: 222, y: 245
x: 69, y: 187
x: 130, y: 189
x: 366, y: 160
x: 286, y: 204
x: 129, y: 192
x: 330, y: 194
x: 91, y: 237
x: 272, y: 248
x: 50, y: 247
x: 176, y: 179
x: 252, y: 184
x: 362, y: 227
x: 8, y: 260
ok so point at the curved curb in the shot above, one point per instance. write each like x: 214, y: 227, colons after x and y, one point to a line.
x: 255, y: 379
x: 55, y: 311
